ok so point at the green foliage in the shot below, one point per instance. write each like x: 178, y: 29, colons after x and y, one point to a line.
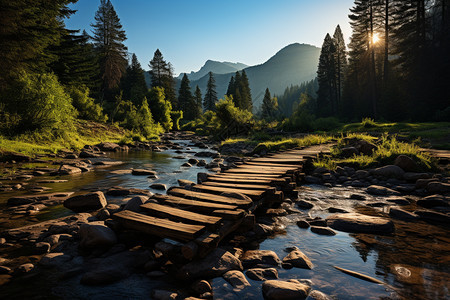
x: 269, y: 108
x: 161, y: 108
x: 210, y: 99
x: 40, y: 102
x: 232, y: 120
x: 176, y: 116
x: 161, y: 73
x: 85, y: 105
x: 368, y: 123
x: 289, y: 143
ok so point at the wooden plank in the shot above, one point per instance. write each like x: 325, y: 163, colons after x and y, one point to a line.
x: 192, y: 205
x: 267, y: 164
x: 180, y: 215
x: 254, y: 194
x: 266, y: 168
x: 244, y: 180
x: 237, y: 185
x: 159, y: 227
x: 249, y: 176
x: 229, y: 214
x: 254, y: 171
x: 281, y: 161
x: 183, y: 193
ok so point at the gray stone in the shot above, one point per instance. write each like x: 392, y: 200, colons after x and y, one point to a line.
x: 298, y: 259
x: 358, y: 223
x: 186, y: 165
x: 142, y: 172
x: 413, y: 177
x: 406, y: 163
x: 54, y: 260
x: 87, y: 202
x: 398, y: 200
x: 438, y: 187
x: 262, y: 274
x: 323, y: 230
x: 303, y: 224
x: 96, y: 235
x: 305, y: 204
x: 422, y: 183
x: 381, y: 190
x: 158, y: 186
x: 389, y: 171
x: 317, y: 295
x: 252, y: 258
x: 313, y: 179
x: 134, y: 204
x: 109, y: 147
x: 236, y: 279
x: 285, y: 290
x: 213, y: 265
x: 361, y: 174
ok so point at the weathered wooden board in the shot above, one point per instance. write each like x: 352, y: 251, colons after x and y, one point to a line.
x: 180, y: 215
x: 281, y: 161
x: 237, y: 185
x: 267, y: 164
x: 254, y: 171
x: 159, y: 227
x: 251, y: 176
x: 229, y: 214
x: 207, y: 197
x: 192, y: 205
x: 244, y: 180
x: 253, y: 194
x: 266, y: 168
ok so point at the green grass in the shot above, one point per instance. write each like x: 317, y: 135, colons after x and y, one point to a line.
x: 85, y: 133
x: 289, y: 143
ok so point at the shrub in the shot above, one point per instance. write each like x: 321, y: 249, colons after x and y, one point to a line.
x: 232, y: 120
x: 368, y: 123
x: 40, y: 101
x: 85, y: 105
x: 176, y: 116
x: 161, y: 108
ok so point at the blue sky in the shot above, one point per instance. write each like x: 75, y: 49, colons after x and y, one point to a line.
x: 190, y: 32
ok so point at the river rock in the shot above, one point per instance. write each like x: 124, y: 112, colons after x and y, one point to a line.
x: 305, y: 204
x: 413, y: 177
x: 5, y: 270
x: 398, y: 200
x: 236, y: 279
x: 313, y: 179
x: 397, y: 213
x: 285, y: 290
x: 202, y: 286
x: 142, y: 172
x: 406, y: 163
x: 121, y: 191
x: 68, y: 170
x: 51, y: 260
x: 87, y: 202
x: 357, y: 197
x: 323, y: 230
x: 96, y: 235
x: 201, y: 163
x: 349, y: 152
x: 88, y: 154
x: 206, y: 154
x: 422, y: 183
x: 389, y: 171
x: 134, y: 204
x: 193, y: 161
x: 108, y: 147
x: 381, y: 190
x: 317, y: 295
x: 164, y: 295
x: 359, y: 223
x: 25, y: 268
x: 303, y: 224
x: 433, y: 201
x: 262, y: 230
x: 298, y: 259
x: 252, y: 258
x: 262, y: 274
x: 438, y: 187
x: 158, y: 186
x: 433, y: 216
x: 184, y: 182
x: 213, y: 265
x: 41, y: 248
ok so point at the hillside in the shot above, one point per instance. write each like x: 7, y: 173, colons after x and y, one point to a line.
x: 294, y: 64
x: 216, y: 67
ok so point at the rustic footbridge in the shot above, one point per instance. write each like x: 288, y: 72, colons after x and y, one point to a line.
x: 202, y: 215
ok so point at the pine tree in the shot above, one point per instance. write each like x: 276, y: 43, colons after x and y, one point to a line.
x: 133, y: 83
x: 211, y: 95
x: 269, y: 106
x: 198, y: 102
x: 186, y: 100
x: 246, y: 95
x: 161, y: 74
x: 326, y: 74
x: 340, y: 62
x: 108, y: 40
x: 231, y: 87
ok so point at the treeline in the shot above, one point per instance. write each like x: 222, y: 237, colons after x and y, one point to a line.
x: 398, y: 64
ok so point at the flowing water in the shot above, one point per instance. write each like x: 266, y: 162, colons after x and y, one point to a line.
x: 414, y: 262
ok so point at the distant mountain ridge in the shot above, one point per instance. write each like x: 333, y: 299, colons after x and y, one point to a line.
x: 292, y: 65
x: 216, y: 67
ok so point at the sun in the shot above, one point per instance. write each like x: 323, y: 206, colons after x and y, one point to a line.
x: 375, y: 38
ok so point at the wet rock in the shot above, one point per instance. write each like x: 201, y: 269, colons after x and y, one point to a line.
x: 406, y: 163
x: 323, y: 230
x: 88, y: 154
x: 164, y: 295
x: 51, y: 260
x: 103, y: 214
x: 358, y: 223
x: 184, y: 182
x: 313, y: 179
x: 336, y: 210
x: 201, y: 163
x: 318, y: 222
x: 202, y: 286
x: 213, y: 265
x: 389, y: 171
x: 432, y: 216
x: 438, y: 187
x: 134, y: 204
x: 68, y: 170
x: 236, y: 279
x: 121, y: 191
x: 158, y: 186
x: 108, y: 147
x: 142, y: 172
x: 361, y: 174
x: 96, y: 235
x: 186, y: 165
x: 193, y: 161
x: 41, y: 248
x: 401, y: 214
x: 422, y: 183
x: 285, y: 290
x: 262, y: 230
x: 357, y: 197
x: 18, y: 157
x: 252, y: 258
x: 398, y: 200
x: 20, y: 200
x: 25, y: 268
x: 87, y: 202
x: 413, y: 177
x: 201, y: 177
x: 303, y: 224
x: 206, y: 154
x: 305, y: 204
x: 5, y: 270
x: 381, y: 190
x: 317, y: 295
x: 433, y: 201
x: 298, y: 259
x: 262, y: 274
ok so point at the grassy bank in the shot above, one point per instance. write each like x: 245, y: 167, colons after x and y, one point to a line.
x: 84, y: 133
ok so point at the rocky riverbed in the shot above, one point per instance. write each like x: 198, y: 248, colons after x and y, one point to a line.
x: 385, y: 228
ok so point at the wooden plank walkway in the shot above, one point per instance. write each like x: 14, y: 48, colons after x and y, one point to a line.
x: 203, y: 214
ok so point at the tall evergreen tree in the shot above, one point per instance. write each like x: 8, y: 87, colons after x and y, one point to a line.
x: 231, y: 87
x: 246, y: 94
x: 340, y: 62
x: 108, y: 37
x: 198, y: 102
x: 210, y: 99
x: 186, y: 100
x: 326, y: 74
x: 133, y: 83
x: 269, y: 106
x: 161, y: 73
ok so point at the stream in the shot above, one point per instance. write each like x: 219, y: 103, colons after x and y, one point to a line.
x: 414, y: 262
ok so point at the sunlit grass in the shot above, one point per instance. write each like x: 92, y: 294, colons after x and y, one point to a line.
x: 289, y: 143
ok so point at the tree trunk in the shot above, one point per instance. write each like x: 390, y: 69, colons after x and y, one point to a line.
x: 386, y: 44
x: 372, y: 64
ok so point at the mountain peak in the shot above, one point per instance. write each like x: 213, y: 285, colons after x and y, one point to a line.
x: 216, y: 67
